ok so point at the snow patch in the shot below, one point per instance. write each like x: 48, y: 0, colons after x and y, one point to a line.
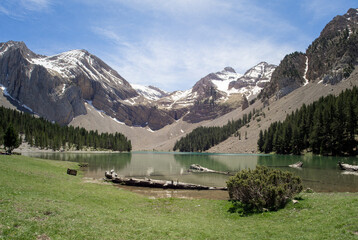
x: 6, y: 93
x: 131, y: 101
x: 305, y: 74
x: 179, y: 95
x: 24, y: 106
x: 63, y: 88
x: 147, y: 92
x: 150, y: 130
x: 100, y: 112
x: 117, y: 121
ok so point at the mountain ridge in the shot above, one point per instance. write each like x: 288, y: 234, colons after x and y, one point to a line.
x: 75, y: 77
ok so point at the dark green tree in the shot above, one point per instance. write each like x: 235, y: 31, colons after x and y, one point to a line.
x: 11, y: 139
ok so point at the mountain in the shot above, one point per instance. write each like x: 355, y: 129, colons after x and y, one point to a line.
x: 150, y: 92
x: 60, y: 87
x: 78, y: 88
x: 219, y: 93
x: 328, y: 66
x: 35, y: 87
x: 57, y: 87
x: 331, y: 58
x: 254, y: 80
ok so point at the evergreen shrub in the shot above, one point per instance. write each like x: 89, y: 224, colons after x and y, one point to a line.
x: 262, y: 189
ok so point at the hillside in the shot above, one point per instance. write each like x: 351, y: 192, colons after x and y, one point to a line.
x: 278, y: 110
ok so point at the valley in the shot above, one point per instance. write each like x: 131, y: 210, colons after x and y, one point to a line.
x: 79, y: 89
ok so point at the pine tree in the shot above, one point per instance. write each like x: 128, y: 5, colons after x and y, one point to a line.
x: 261, y: 141
x: 11, y: 139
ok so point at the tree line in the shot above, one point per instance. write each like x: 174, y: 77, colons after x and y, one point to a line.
x: 328, y: 126
x: 38, y: 132
x: 203, y: 138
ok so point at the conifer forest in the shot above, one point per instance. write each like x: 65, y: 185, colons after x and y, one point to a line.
x: 38, y: 132
x: 327, y: 127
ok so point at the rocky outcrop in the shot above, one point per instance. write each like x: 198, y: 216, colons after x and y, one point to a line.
x: 287, y: 77
x: 35, y: 87
x: 330, y: 58
x: 258, y: 76
x: 334, y: 54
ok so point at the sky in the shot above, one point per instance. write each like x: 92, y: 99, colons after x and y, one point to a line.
x: 170, y: 44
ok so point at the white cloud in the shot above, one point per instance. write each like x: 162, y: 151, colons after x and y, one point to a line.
x: 174, y: 65
x: 192, y: 39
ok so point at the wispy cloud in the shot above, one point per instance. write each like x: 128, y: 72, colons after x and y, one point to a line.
x: 179, y: 64
x: 17, y: 9
x: 205, y: 36
x: 4, y: 10
x: 322, y: 8
x: 178, y: 7
x: 36, y: 5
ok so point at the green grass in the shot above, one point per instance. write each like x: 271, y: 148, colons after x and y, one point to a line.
x: 38, y: 200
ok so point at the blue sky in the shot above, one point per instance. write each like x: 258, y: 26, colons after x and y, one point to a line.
x: 170, y: 44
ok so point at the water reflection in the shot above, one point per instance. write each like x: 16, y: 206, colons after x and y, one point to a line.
x: 96, y: 161
x: 318, y: 173
x: 224, y: 163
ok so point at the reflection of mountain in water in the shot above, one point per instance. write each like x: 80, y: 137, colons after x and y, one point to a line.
x: 318, y: 173
x: 149, y: 164
x: 225, y: 163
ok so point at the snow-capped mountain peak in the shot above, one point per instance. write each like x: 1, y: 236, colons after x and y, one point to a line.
x: 261, y: 70
x: 75, y: 62
x: 150, y: 92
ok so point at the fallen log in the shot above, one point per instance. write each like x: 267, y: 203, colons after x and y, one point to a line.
x: 296, y: 165
x: 159, y: 183
x: 198, y: 168
x: 110, y: 174
x: 347, y: 167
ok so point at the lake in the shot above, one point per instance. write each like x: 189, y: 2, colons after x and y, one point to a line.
x: 319, y: 173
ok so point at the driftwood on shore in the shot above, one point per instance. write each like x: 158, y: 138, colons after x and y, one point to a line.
x: 110, y: 174
x: 296, y: 165
x: 157, y: 183
x: 348, y: 167
x: 198, y: 168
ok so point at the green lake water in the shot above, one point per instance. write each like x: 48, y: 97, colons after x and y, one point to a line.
x: 319, y: 173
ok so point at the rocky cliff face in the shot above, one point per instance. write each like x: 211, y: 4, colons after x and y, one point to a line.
x: 334, y: 54
x: 330, y: 58
x: 288, y: 76
x: 35, y: 87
